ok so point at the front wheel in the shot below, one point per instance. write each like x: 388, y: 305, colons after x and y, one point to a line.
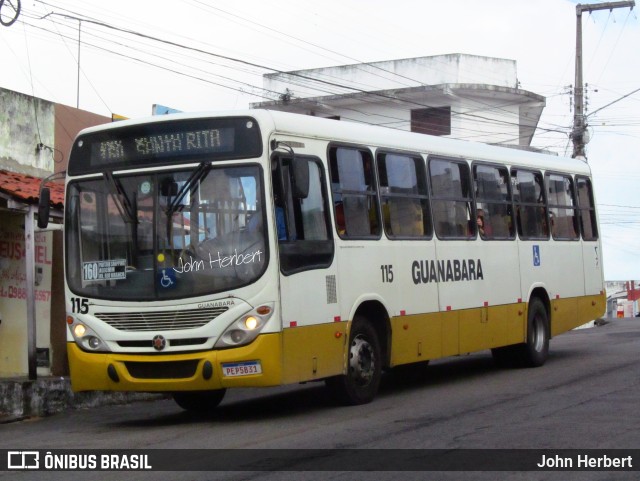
x: 199, y: 401
x: 361, y: 382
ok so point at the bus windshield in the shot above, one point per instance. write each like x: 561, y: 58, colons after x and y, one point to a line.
x: 166, y: 235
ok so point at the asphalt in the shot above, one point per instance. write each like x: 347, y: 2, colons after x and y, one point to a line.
x: 22, y: 398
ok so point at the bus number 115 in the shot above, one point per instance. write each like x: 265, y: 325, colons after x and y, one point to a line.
x: 387, y: 272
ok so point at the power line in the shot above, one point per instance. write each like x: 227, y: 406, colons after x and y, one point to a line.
x: 294, y: 74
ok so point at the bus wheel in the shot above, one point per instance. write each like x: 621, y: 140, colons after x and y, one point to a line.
x: 360, y: 384
x: 199, y: 401
x: 534, y: 352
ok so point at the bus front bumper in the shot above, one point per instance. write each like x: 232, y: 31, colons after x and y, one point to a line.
x: 255, y: 365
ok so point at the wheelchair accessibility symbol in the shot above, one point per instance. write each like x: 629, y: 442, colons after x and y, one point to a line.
x: 167, y: 278
x: 536, y: 255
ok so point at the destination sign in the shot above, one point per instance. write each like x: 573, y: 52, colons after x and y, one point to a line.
x: 199, y: 141
x: 157, y: 143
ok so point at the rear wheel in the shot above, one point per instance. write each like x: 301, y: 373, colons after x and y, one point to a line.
x: 199, y: 401
x: 362, y: 380
x: 534, y: 351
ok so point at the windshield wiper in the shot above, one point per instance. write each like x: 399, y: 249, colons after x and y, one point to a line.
x: 196, y: 176
x: 123, y: 203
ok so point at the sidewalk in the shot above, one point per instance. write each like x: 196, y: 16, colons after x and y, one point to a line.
x: 21, y: 398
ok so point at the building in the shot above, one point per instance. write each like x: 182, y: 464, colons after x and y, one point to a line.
x: 462, y: 96
x: 622, y: 298
x: 35, y: 138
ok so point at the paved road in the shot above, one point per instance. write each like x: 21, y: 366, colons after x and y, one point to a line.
x: 584, y: 397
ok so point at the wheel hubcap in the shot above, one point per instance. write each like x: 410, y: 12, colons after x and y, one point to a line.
x: 362, y: 361
x: 538, y: 334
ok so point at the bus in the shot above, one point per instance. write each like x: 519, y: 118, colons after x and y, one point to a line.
x: 259, y: 248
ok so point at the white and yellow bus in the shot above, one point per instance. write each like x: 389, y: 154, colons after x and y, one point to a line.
x: 257, y: 248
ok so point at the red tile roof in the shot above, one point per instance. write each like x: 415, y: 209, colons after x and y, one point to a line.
x: 26, y: 188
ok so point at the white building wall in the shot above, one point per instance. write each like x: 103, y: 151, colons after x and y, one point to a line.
x: 435, y: 70
x: 482, y: 92
x: 27, y: 122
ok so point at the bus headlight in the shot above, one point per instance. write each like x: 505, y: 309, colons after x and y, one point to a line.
x: 85, y: 337
x: 245, y: 329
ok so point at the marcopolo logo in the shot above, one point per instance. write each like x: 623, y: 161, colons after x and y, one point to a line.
x: 23, y: 460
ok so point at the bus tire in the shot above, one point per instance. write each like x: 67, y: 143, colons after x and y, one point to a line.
x: 533, y: 352
x: 199, y: 401
x: 361, y: 382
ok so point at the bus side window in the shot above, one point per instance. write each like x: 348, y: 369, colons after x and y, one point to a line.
x: 587, y: 211
x: 354, y: 193
x: 493, y: 197
x: 451, y: 199
x: 302, y: 220
x: 562, y: 207
x: 404, y: 196
x: 531, y: 206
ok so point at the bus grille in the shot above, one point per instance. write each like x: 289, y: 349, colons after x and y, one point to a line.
x: 160, y: 320
x: 162, y: 370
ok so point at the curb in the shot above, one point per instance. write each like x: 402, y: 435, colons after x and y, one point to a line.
x: 21, y: 399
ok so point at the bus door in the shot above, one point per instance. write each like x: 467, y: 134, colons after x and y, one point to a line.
x: 313, y: 340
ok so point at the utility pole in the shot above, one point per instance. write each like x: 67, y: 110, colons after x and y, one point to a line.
x: 579, y: 124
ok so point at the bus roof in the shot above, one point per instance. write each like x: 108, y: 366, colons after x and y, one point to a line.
x: 286, y: 123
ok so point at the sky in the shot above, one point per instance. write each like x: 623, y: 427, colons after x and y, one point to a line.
x: 196, y: 55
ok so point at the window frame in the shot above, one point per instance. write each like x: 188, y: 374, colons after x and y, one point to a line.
x: 574, y: 207
x: 593, y: 217
x: 469, y: 199
x: 338, y: 193
x: 518, y: 204
x: 513, y: 233
x: 318, y: 253
x: 428, y: 222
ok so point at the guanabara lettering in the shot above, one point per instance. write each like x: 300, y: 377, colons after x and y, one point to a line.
x: 449, y: 270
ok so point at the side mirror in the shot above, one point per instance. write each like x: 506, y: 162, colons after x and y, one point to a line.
x: 44, y: 207
x: 300, y: 178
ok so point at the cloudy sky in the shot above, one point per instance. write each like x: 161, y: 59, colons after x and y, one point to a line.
x: 196, y: 55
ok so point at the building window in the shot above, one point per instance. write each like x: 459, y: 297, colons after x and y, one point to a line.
x: 433, y: 121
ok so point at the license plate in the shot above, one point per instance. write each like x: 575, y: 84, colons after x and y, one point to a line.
x: 241, y: 369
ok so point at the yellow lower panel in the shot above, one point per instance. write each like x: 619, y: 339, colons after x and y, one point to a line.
x: 314, y: 352
x: 567, y: 314
x: 421, y: 337
x: 416, y: 338
x: 89, y: 371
